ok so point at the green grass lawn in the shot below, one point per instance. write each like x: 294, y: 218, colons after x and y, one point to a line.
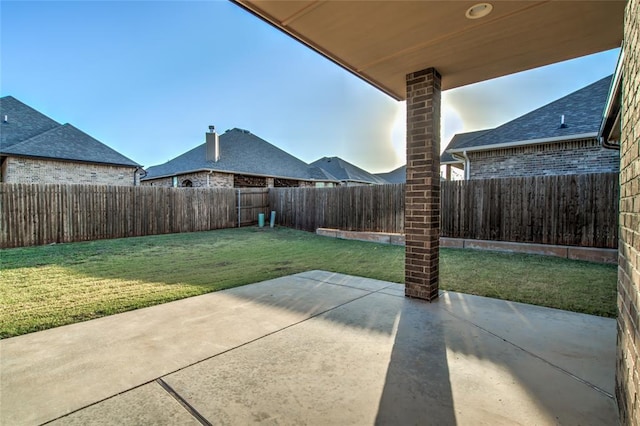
x: 44, y: 287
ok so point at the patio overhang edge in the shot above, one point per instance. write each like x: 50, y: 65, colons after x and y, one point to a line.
x: 313, y: 46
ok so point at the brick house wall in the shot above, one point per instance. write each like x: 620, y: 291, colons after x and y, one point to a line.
x: 213, y: 180
x: 34, y: 170
x: 571, y: 157
x: 198, y: 180
x: 628, y: 347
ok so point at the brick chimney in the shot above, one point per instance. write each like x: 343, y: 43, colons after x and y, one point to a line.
x: 213, y: 145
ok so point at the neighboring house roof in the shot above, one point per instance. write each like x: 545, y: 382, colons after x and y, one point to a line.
x: 244, y: 153
x: 29, y: 133
x: 582, y: 112
x: 69, y: 143
x: 347, y: 172
x: 458, y: 140
x: 23, y: 122
x: 398, y: 175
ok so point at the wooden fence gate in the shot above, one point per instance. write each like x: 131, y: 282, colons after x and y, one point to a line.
x: 250, y: 203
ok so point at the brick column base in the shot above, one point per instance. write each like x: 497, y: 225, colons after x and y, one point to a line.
x: 422, y: 199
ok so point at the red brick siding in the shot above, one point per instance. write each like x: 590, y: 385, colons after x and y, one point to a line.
x: 564, y: 158
x: 198, y: 180
x: 422, y: 210
x: 628, y: 360
x: 35, y: 170
x: 213, y: 180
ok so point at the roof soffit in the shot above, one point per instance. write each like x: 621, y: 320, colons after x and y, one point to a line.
x: 381, y: 42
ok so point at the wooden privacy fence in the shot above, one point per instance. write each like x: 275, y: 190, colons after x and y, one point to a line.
x: 572, y: 210
x: 378, y: 208
x: 44, y: 214
x: 576, y: 210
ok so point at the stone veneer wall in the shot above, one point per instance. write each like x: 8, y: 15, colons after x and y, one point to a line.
x: 628, y: 359
x: 34, y: 170
x: 564, y: 158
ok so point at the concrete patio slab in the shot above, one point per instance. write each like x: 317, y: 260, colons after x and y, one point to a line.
x: 315, y: 348
x: 46, y: 369
x: 411, y: 360
x: 147, y: 405
x: 583, y: 345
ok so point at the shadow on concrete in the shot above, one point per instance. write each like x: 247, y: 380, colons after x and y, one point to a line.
x: 417, y: 388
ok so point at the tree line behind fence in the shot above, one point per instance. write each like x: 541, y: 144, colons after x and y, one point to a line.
x: 579, y: 210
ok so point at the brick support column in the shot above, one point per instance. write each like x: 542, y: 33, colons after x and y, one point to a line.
x: 422, y: 199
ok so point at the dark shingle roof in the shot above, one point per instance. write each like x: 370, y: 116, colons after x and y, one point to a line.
x: 30, y: 133
x: 23, y: 122
x: 458, y: 140
x: 347, y: 172
x: 241, y: 152
x: 68, y: 143
x: 582, y: 110
x: 398, y: 175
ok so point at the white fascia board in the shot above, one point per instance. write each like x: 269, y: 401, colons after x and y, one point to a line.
x: 614, y: 90
x: 525, y: 142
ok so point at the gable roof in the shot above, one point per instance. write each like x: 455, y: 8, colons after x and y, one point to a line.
x: 347, y: 172
x: 458, y: 140
x: 29, y: 133
x: 69, y: 143
x: 398, y: 175
x: 241, y: 152
x: 23, y: 122
x: 582, y: 112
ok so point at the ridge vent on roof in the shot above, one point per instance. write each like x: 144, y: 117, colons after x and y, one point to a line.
x: 238, y: 130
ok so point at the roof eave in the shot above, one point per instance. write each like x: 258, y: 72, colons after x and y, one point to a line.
x: 525, y: 142
x: 71, y: 160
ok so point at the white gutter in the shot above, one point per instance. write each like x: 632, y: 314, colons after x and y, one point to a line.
x: 525, y: 142
x: 614, y: 93
x: 467, y: 164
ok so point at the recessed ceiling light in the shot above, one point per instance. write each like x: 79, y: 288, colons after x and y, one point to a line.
x: 479, y: 10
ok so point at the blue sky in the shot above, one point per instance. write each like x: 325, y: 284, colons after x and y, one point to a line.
x: 148, y: 77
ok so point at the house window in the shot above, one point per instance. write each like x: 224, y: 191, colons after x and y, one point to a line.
x: 187, y: 183
x: 285, y: 183
x: 243, y: 181
x: 174, y: 181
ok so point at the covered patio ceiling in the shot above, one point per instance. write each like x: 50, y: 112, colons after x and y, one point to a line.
x: 383, y: 41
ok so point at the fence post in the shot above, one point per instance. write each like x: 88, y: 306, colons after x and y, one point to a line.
x: 239, y: 208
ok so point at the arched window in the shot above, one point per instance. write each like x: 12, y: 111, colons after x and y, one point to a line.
x: 187, y: 183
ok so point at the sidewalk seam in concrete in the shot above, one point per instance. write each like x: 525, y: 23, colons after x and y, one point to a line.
x: 183, y: 402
